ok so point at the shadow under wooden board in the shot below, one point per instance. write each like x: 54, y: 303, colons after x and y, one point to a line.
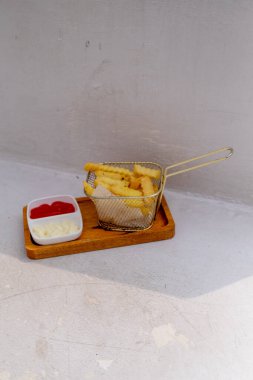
x: 95, y: 238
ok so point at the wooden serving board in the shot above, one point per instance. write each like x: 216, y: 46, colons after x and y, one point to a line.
x: 94, y: 237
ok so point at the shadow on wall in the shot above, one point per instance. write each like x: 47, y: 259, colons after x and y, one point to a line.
x: 212, y: 249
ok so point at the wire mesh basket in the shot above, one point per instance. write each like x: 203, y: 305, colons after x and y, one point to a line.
x: 125, y: 213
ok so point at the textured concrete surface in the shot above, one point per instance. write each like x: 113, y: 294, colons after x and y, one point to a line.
x: 99, y: 79
x: 178, y: 309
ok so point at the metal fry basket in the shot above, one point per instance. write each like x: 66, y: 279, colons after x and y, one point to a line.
x: 138, y: 213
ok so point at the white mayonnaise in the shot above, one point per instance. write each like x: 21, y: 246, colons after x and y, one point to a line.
x: 55, y: 229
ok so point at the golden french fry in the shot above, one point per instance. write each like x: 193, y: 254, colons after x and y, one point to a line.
x: 101, y: 173
x: 125, y: 191
x: 147, y: 188
x: 135, y: 203
x: 92, y: 166
x: 156, y: 188
x: 110, y: 181
x: 88, y: 188
x: 135, y: 182
x: 145, y: 210
x: 143, y: 171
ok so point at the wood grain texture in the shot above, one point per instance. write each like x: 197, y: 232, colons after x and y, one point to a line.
x: 95, y: 238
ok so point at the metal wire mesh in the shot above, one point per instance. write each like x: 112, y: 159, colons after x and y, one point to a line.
x: 127, y: 213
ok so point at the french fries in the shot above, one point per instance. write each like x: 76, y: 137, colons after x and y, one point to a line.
x: 125, y: 191
x: 99, y: 181
x: 110, y: 181
x: 135, y: 182
x: 142, y: 171
x: 147, y: 188
x: 88, y: 188
x: 135, y: 203
x: 123, y: 182
x: 102, y: 173
x: 145, y: 210
x: 92, y: 167
x: 155, y: 188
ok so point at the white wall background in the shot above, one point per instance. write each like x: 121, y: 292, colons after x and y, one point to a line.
x: 157, y: 80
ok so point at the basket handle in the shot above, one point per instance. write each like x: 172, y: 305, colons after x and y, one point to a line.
x: 214, y: 161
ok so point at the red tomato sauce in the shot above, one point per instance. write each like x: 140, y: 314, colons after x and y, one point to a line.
x: 56, y: 208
